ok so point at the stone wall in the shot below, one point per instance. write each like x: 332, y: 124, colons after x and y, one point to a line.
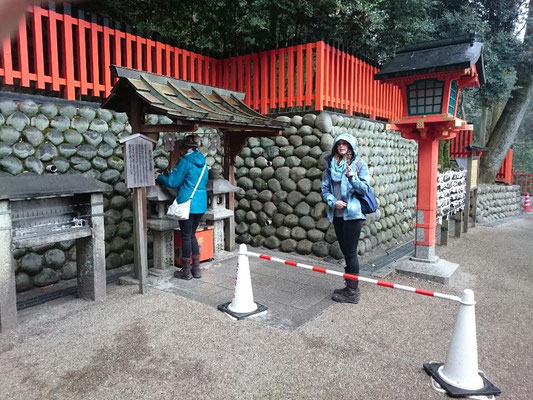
x: 76, y: 141
x: 280, y: 204
x: 497, y: 201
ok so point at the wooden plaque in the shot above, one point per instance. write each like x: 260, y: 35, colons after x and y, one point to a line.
x: 139, y: 163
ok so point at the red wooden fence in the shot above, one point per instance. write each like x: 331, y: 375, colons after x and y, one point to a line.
x: 465, y: 138
x: 61, y: 53
x: 525, y: 181
x: 311, y: 76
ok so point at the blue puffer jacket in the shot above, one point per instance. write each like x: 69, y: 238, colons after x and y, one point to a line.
x: 184, y: 177
x: 358, y: 183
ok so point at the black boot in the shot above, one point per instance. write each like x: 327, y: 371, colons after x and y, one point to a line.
x: 350, y: 294
x: 196, y: 266
x: 185, y: 272
x: 343, y: 290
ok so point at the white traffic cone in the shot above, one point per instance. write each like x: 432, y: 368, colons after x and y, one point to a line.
x: 243, y: 304
x: 243, y: 296
x: 459, y: 376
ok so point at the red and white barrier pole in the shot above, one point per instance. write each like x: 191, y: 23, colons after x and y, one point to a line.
x: 357, y: 278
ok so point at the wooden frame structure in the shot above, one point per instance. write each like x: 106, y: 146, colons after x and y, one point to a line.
x: 189, y: 106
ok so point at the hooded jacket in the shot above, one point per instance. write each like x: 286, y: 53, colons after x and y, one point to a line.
x: 184, y: 177
x: 358, y: 183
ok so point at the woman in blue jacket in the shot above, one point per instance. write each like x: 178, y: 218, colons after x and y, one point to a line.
x: 344, y: 177
x: 184, y: 177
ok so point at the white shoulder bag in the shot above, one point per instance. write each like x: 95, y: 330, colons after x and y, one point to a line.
x: 181, y: 211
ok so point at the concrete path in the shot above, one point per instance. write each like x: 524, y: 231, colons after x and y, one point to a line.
x: 163, y: 345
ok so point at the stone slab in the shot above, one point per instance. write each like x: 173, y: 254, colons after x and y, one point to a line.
x: 440, y: 271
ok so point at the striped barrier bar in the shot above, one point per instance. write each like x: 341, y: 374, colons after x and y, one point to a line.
x: 357, y: 278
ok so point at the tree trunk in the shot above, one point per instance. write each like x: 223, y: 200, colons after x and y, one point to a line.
x: 507, y: 126
x: 483, y: 125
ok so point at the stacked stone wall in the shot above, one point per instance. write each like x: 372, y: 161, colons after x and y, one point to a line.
x: 76, y: 141
x: 279, y: 204
x: 497, y: 202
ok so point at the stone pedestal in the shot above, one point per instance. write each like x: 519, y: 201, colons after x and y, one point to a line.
x: 8, y: 299
x: 163, y: 241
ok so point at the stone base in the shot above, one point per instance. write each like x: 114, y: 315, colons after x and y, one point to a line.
x: 440, y: 271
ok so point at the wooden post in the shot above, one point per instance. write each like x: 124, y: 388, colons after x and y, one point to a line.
x: 458, y: 218
x: 467, y: 194
x: 444, y: 232
x: 139, y: 234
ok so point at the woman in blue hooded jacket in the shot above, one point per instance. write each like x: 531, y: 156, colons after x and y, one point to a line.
x: 184, y: 177
x: 345, y: 176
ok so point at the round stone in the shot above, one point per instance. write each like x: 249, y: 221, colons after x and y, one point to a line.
x: 61, y: 123
x: 323, y: 122
x: 18, y: 120
x: 23, y: 149
x: 54, y: 259
x: 67, y: 149
x: 23, y: 282
x: 73, y: 137
x: 49, y: 110
x: 304, y: 247
x: 29, y: 107
x: 33, y: 164
x: 9, y: 135
x: 55, y: 137
x: 31, y: 264
x: 99, y: 125
x: 69, y: 270
x: 12, y: 165
x: 93, y: 138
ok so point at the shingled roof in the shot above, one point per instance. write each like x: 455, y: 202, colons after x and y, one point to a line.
x: 435, y: 56
x: 186, y: 102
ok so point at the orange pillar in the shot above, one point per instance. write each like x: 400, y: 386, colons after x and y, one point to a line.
x: 426, y: 199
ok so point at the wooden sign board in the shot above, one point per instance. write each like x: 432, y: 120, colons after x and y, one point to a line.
x: 474, y: 172
x: 139, y: 159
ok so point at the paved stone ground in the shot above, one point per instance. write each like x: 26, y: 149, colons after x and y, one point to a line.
x: 166, y: 346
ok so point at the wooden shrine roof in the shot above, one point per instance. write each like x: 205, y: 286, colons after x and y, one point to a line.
x: 436, y: 56
x: 187, y: 103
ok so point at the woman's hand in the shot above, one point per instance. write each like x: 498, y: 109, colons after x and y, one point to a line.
x: 349, y: 172
x: 157, y: 173
x: 339, y: 205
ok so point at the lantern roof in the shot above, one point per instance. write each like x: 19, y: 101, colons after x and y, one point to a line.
x: 435, y: 56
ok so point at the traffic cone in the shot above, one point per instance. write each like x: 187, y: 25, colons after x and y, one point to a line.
x: 459, y: 375
x: 527, y: 206
x: 242, y: 305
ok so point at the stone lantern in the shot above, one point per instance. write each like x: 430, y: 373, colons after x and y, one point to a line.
x: 162, y: 227
x: 217, y: 212
x: 430, y: 76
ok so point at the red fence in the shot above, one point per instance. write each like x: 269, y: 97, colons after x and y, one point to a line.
x: 465, y: 138
x: 313, y: 75
x: 525, y: 181
x: 61, y: 53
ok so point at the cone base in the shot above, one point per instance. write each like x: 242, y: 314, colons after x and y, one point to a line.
x: 487, y: 389
x: 261, y: 309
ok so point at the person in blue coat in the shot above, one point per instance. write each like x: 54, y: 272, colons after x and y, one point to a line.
x: 184, y: 177
x: 346, y: 176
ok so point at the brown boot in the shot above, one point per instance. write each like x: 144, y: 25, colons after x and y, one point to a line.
x: 196, y: 266
x: 185, y: 272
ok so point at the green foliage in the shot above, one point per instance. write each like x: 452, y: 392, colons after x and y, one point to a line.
x: 523, y: 145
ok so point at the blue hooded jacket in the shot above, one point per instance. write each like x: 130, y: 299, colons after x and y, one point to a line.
x: 349, y: 186
x: 184, y: 177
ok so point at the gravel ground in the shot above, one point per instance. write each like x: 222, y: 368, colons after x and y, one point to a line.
x: 162, y: 346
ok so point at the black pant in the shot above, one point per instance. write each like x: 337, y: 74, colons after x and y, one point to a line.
x: 348, y: 237
x: 189, y: 244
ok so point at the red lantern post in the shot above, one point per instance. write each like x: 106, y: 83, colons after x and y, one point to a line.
x: 430, y: 76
